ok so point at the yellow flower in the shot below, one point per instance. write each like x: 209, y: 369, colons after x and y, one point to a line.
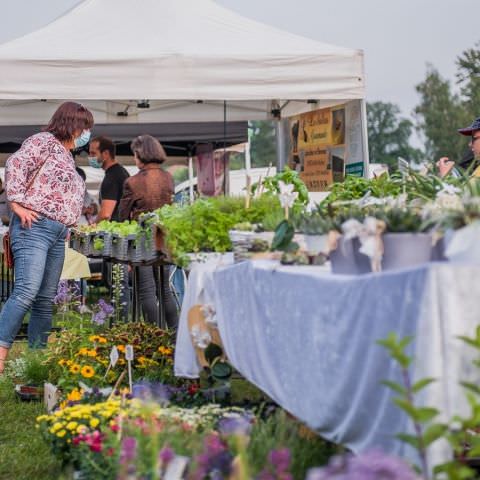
x: 61, y: 433
x: 69, y: 363
x: 56, y: 426
x: 88, y: 372
x: 83, y: 351
x: 62, y: 362
x: 102, y: 340
x: 165, y: 350
x: 81, y: 429
x: 75, y: 395
x: 94, y: 422
x: 121, y: 348
x: 92, y: 353
x: 75, y: 368
x: 71, y: 425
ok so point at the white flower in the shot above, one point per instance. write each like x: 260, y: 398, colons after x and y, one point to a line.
x: 450, y: 189
x: 287, y: 196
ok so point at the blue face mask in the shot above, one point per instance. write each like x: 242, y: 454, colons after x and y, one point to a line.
x: 93, y: 162
x: 83, y: 139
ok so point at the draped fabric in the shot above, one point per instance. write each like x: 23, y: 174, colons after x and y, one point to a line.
x: 308, y: 339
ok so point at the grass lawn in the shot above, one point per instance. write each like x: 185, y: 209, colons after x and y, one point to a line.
x: 23, y: 453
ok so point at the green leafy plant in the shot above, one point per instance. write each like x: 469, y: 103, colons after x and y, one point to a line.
x: 314, y: 223
x: 288, y: 176
x: 426, y: 431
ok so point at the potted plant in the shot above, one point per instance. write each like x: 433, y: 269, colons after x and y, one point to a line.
x: 315, y: 229
x: 405, y: 241
x: 35, y: 373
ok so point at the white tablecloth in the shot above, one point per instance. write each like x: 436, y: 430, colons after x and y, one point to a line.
x: 308, y: 339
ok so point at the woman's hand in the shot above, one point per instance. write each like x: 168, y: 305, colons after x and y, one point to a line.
x: 444, y: 166
x: 27, y: 217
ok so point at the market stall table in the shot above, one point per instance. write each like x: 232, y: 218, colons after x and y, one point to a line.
x: 308, y: 339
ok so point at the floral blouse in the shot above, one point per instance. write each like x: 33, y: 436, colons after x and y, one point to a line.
x: 57, y: 191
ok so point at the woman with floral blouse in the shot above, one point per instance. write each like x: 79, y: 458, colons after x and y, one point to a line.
x: 46, y: 194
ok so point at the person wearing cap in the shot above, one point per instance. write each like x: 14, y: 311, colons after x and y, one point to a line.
x: 445, y: 165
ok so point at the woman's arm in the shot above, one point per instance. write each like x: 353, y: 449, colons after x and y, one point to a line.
x: 126, y: 202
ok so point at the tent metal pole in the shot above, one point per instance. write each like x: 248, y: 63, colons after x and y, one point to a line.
x: 282, y: 144
x: 248, y: 160
x: 190, y: 177
x: 366, y: 159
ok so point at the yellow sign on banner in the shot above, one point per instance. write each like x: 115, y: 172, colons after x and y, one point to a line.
x: 318, y: 146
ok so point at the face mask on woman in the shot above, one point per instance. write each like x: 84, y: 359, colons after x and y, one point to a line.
x: 83, y: 139
x: 93, y: 162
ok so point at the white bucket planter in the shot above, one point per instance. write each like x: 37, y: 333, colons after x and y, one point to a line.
x: 404, y: 250
x: 316, y: 244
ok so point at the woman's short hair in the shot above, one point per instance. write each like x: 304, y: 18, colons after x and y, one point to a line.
x: 69, y: 119
x: 148, y: 149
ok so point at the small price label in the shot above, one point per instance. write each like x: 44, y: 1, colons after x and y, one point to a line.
x: 129, y: 353
x: 114, y: 356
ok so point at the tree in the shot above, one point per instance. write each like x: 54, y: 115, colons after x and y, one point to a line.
x: 389, y: 135
x: 439, y: 115
x: 468, y: 77
x: 263, y: 149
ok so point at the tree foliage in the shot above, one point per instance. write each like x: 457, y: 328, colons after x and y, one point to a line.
x: 439, y: 115
x: 263, y: 144
x: 389, y: 135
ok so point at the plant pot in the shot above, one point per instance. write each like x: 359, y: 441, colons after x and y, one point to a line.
x: 106, y: 250
x: 120, y: 246
x: 316, y: 244
x: 347, y: 260
x: 29, y: 392
x: 404, y: 250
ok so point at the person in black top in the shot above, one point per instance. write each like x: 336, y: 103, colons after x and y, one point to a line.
x: 102, y: 155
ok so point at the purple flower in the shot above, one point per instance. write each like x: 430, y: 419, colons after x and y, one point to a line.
x: 99, y: 317
x: 105, y: 307
x: 373, y: 465
x: 235, y: 425
x: 166, y: 455
x: 129, y: 450
x: 215, y: 461
x: 280, y: 459
x: 152, y: 391
x: 63, y: 294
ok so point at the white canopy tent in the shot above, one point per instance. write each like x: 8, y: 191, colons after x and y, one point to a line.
x: 159, y: 61
x: 175, y: 53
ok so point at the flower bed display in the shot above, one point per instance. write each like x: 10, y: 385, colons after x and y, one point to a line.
x: 81, y: 359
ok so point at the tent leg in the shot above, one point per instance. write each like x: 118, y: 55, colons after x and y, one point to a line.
x: 282, y: 144
x: 366, y: 159
x: 190, y: 178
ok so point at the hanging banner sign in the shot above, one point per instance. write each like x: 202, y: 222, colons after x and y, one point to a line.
x: 326, y: 144
x: 318, y: 146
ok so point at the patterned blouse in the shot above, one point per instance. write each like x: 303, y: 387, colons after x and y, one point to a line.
x: 57, y: 191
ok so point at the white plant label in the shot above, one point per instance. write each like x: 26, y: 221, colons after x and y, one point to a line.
x: 114, y: 356
x: 129, y: 353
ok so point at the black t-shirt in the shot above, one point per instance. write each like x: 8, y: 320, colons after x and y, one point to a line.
x: 112, y: 186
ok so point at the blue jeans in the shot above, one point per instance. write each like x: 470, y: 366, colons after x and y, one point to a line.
x: 38, y: 254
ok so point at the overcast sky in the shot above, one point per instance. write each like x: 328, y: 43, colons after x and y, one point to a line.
x: 399, y: 37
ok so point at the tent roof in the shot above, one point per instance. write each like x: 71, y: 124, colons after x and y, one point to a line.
x: 173, y: 50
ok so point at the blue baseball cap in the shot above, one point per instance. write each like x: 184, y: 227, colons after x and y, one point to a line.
x: 472, y: 128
